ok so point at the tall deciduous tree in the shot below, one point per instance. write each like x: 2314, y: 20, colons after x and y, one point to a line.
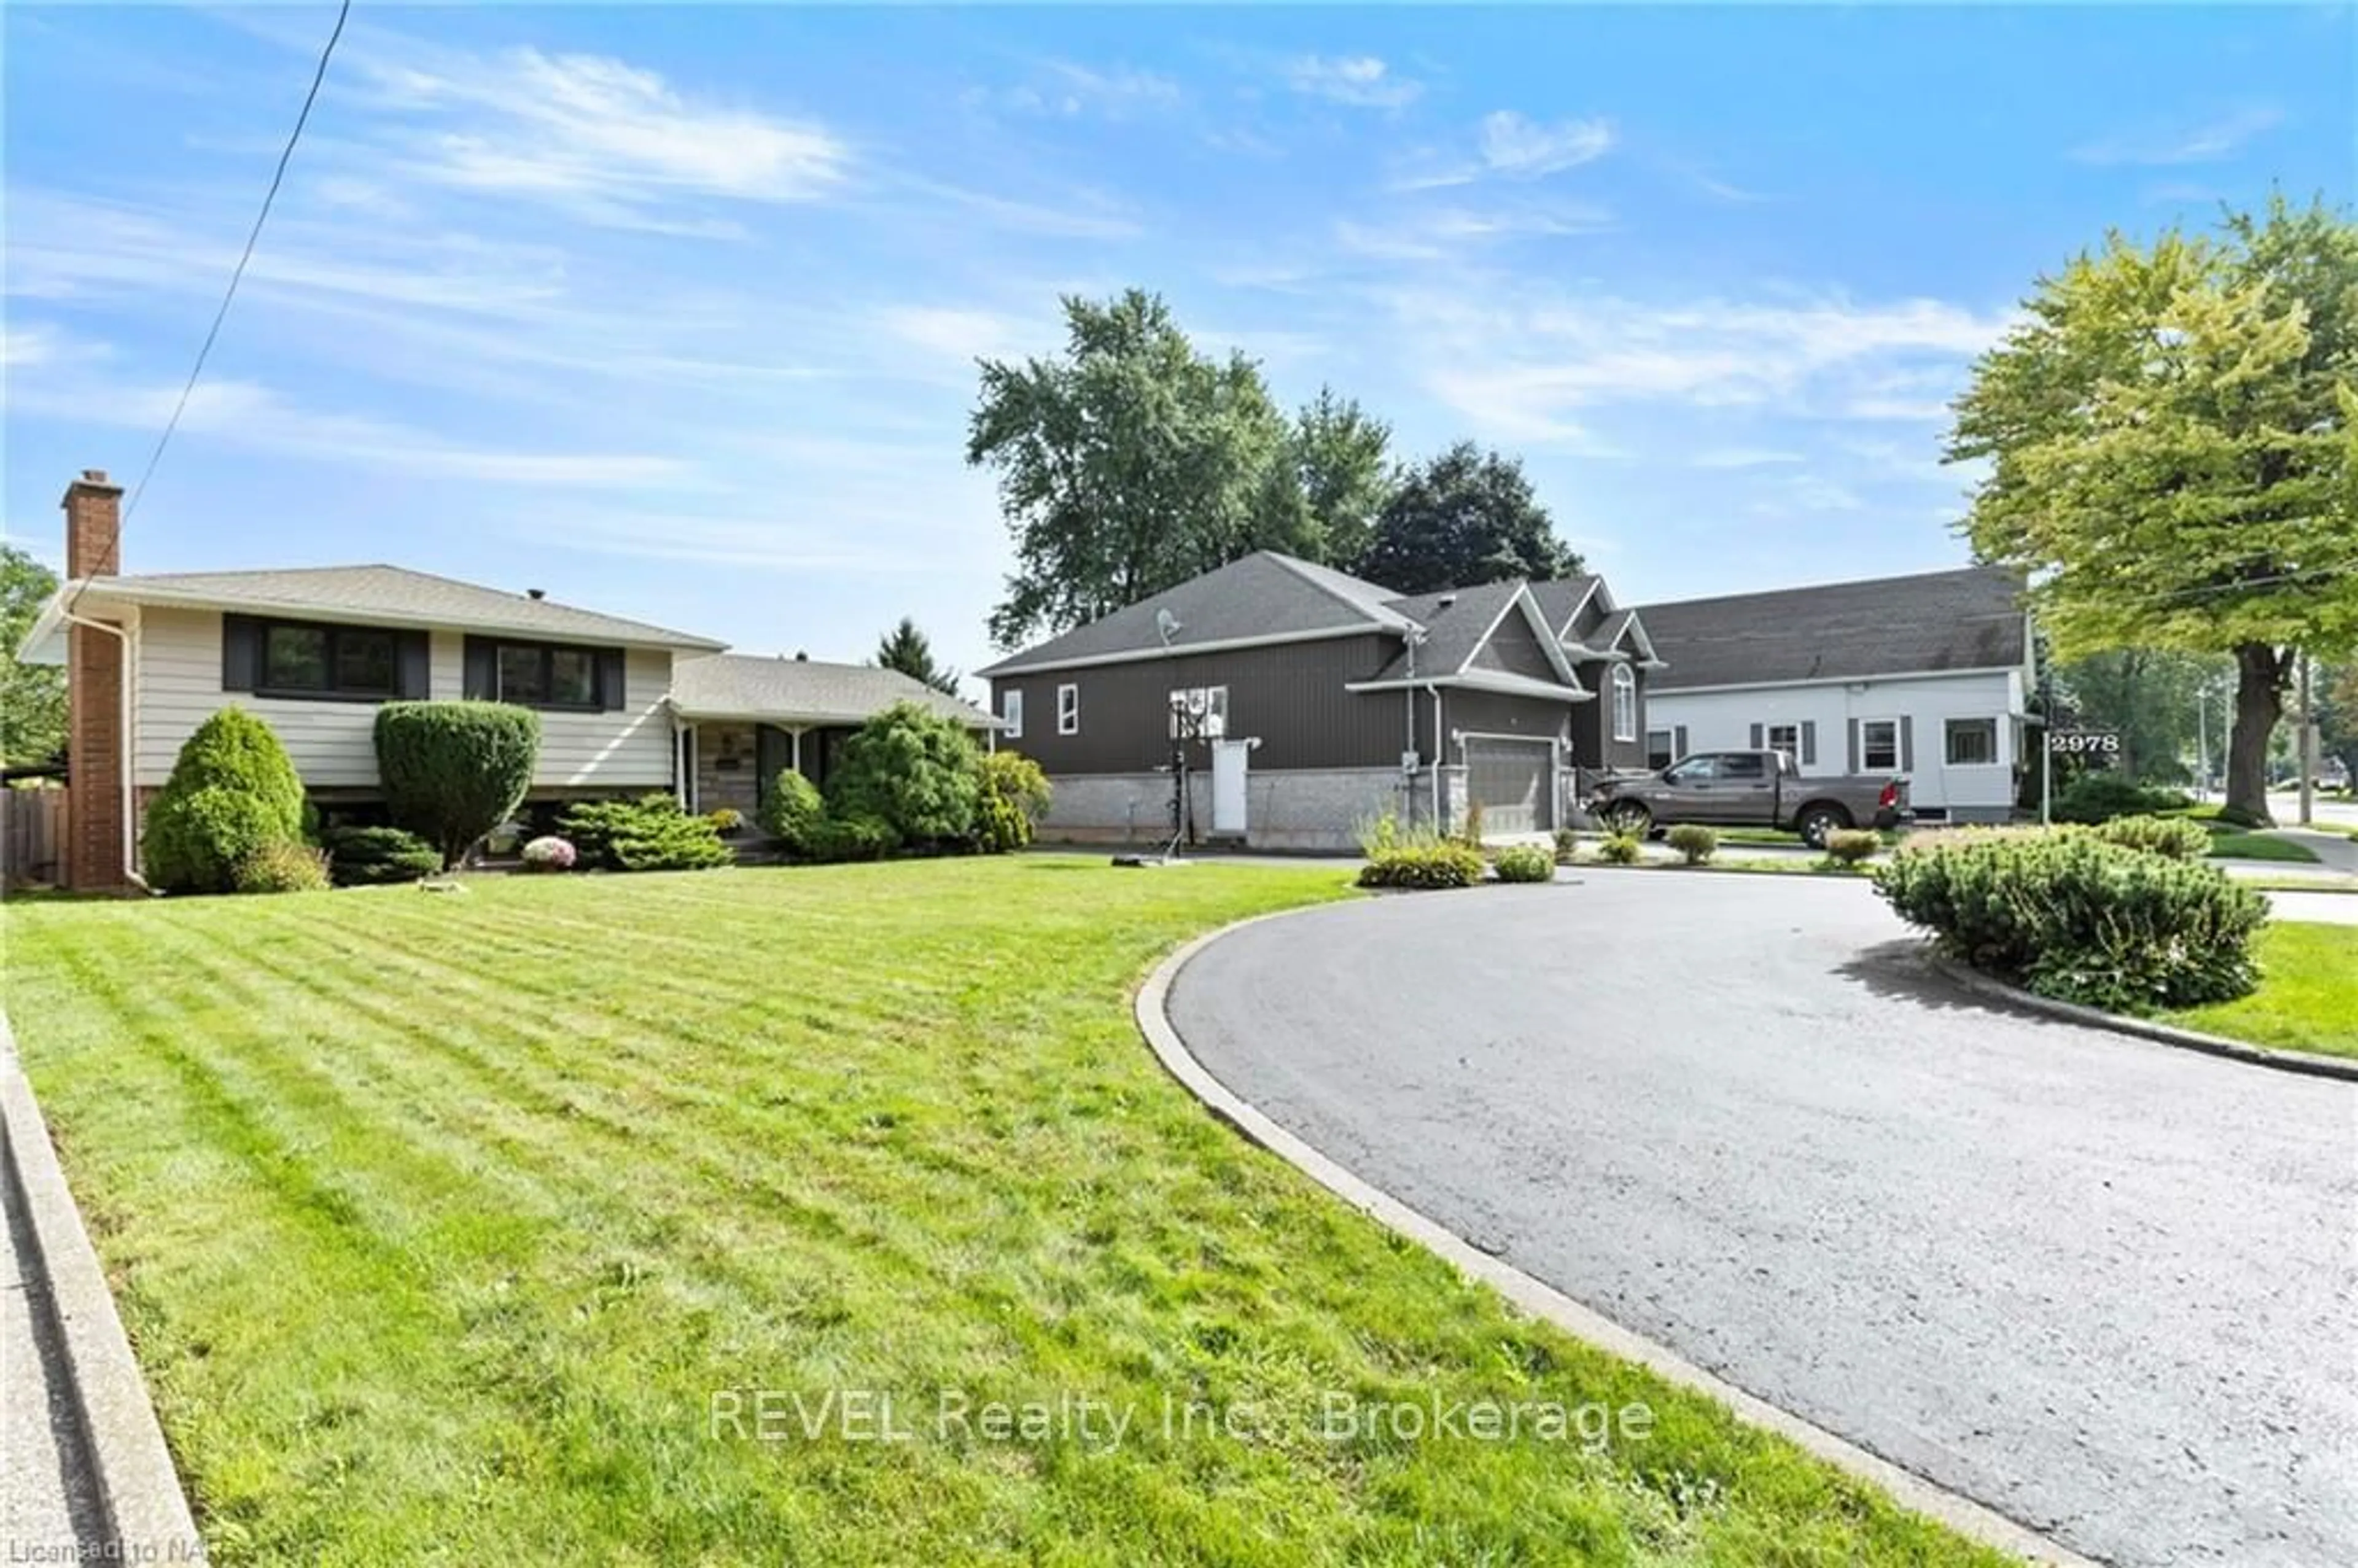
x: 905, y: 649
x: 2149, y: 698
x: 1338, y: 457
x: 1126, y: 464
x: 1465, y: 516
x: 2169, y: 447
x: 33, y: 700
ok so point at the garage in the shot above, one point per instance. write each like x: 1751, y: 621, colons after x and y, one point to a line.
x: 1513, y: 782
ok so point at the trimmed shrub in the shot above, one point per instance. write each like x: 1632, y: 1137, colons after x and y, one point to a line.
x: 725, y: 819
x: 2180, y: 837
x: 2073, y: 917
x: 284, y: 865
x: 1423, y: 863
x: 791, y: 810
x: 833, y: 838
x: 2101, y: 796
x: 1621, y: 849
x: 549, y: 853
x: 453, y: 771
x: 1013, y: 795
x: 912, y: 771
x: 1850, y: 846
x: 365, y: 856
x: 1567, y: 846
x: 1695, y: 842
x: 233, y: 793
x: 1524, y: 863
x: 649, y: 834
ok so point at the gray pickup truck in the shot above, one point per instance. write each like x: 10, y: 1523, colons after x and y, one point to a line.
x: 1748, y: 789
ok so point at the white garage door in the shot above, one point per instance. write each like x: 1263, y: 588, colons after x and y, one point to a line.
x: 1509, y: 780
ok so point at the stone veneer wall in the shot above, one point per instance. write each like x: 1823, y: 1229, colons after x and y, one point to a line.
x: 716, y: 787
x: 1313, y: 809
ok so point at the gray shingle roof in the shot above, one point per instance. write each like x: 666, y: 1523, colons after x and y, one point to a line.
x: 1559, y: 598
x: 1970, y: 619
x: 1263, y: 595
x: 751, y: 686
x: 394, y: 593
x: 1453, y: 631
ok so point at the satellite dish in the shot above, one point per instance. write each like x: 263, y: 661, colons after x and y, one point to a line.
x: 1166, y: 625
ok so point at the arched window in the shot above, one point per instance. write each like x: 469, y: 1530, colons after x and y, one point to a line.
x: 1625, y: 703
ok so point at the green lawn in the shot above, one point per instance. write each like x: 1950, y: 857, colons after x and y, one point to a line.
x: 2231, y: 843
x: 438, y: 1221
x: 2307, y: 999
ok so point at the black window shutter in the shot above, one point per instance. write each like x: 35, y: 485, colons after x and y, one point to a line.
x: 241, y: 653
x: 1755, y: 737
x: 1809, y: 741
x: 1678, y: 742
x: 609, y: 679
x: 1906, y: 744
x: 416, y: 658
x: 481, y: 675
x: 1854, y: 746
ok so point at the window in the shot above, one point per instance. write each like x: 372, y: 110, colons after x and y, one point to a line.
x: 1011, y: 711
x: 1662, y: 747
x: 1625, y: 703
x: 1203, y: 710
x: 1743, y: 765
x: 1068, y: 710
x: 327, y: 661
x: 1971, y: 743
x: 1786, y: 737
x: 1695, y: 770
x: 560, y: 676
x: 1878, y: 745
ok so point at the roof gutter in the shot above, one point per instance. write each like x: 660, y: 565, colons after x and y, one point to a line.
x: 126, y: 759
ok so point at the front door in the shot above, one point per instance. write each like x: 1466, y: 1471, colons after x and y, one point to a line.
x: 1230, y: 758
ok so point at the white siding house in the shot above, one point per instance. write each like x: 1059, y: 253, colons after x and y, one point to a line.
x: 177, y: 686
x: 1925, y: 676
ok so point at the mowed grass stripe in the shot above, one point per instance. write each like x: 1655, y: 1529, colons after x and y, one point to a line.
x: 625, y: 1079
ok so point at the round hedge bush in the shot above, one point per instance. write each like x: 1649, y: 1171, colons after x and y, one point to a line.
x: 1524, y: 863
x: 2073, y: 917
x: 790, y: 811
x: 453, y: 771
x: 368, y: 856
x: 232, y: 794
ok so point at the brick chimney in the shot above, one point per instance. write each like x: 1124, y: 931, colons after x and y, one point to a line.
x: 93, y: 850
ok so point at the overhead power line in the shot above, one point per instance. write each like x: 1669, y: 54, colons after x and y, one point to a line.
x: 237, y: 275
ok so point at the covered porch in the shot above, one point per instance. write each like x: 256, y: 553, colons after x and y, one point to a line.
x: 733, y: 763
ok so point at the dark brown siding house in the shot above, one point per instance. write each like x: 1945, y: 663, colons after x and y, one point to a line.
x: 1326, y: 702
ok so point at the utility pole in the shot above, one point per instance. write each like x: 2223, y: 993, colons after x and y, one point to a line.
x: 2203, y: 739
x: 2306, y: 750
x: 2046, y: 748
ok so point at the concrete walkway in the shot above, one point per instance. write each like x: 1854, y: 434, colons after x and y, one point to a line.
x: 49, y: 1498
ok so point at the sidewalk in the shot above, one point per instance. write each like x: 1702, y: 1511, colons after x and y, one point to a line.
x: 49, y: 1498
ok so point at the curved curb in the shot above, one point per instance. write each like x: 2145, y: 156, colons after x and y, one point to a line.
x: 1968, y: 978
x: 1542, y: 1300
x: 138, y: 1489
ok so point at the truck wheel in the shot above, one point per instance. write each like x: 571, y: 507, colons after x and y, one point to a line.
x: 1820, y: 820
x: 1627, y: 816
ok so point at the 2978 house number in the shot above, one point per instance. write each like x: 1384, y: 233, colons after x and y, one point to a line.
x: 2097, y: 743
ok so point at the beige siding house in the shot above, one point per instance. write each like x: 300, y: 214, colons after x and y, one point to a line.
x: 626, y: 707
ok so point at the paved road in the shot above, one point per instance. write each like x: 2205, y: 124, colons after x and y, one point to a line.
x: 2105, y: 1287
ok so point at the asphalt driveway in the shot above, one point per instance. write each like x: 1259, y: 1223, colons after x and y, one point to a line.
x: 2107, y: 1288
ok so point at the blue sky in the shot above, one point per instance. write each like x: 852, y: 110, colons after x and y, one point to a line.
x: 674, y: 313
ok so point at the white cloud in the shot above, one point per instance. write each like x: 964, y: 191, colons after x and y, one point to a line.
x: 1363, y: 82
x: 603, y: 139
x: 2203, y: 142
x: 1525, y: 364
x: 251, y: 415
x: 1443, y: 234
x: 1742, y: 457
x: 959, y: 334
x: 1510, y: 147
x: 1523, y: 149
x: 1064, y: 89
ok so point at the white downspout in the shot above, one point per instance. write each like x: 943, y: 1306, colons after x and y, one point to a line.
x: 1440, y: 752
x: 128, y: 759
